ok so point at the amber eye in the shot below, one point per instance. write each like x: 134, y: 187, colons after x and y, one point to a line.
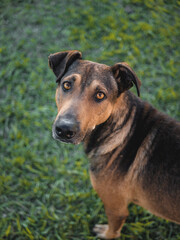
x: 100, y: 96
x: 67, y: 86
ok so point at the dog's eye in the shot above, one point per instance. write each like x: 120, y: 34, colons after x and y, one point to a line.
x: 100, y: 96
x: 67, y: 86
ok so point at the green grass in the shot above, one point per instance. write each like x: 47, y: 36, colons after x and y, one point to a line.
x: 45, y: 191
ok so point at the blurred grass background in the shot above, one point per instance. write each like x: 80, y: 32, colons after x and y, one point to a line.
x: 45, y: 191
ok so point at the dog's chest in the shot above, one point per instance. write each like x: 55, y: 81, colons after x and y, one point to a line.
x: 108, y: 188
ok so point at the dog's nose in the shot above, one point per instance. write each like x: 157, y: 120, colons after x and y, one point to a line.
x: 66, y: 128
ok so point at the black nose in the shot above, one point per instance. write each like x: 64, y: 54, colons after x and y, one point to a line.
x: 66, y: 128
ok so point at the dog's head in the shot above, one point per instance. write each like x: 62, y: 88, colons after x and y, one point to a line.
x: 86, y: 93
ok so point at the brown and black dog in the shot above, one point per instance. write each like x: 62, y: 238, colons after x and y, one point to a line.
x: 134, y: 150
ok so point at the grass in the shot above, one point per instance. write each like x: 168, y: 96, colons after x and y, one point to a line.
x: 45, y: 191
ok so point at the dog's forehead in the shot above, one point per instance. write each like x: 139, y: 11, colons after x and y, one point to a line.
x: 89, y: 68
x: 91, y: 71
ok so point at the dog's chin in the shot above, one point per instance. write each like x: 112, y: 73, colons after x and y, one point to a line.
x: 75, y: 140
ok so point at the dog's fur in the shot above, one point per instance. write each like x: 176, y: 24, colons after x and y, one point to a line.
x: 134, y: 150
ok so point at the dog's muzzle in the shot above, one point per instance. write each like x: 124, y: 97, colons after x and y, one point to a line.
x: 65, y: 129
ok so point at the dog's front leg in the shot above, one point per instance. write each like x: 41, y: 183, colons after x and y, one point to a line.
x: 116, y: 219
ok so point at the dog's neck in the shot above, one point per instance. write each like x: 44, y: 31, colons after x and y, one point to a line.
x: 114, y: 144
x: 115, y: 131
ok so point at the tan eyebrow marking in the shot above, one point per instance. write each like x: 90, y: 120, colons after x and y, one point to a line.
x: 73, y: 77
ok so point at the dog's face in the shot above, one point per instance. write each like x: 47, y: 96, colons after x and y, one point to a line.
x: 84, y: 98
x: 86, y: 94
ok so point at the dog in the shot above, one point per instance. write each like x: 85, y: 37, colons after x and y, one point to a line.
x: 134, y: 150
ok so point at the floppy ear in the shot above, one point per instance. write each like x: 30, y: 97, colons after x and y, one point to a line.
x: 125, y: 77
x: 60, y: 61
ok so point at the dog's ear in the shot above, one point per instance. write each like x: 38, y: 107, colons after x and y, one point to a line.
x: 125, y: 77
x: 60, y: 61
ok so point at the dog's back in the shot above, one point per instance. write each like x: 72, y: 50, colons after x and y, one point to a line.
x: 161, y: 174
